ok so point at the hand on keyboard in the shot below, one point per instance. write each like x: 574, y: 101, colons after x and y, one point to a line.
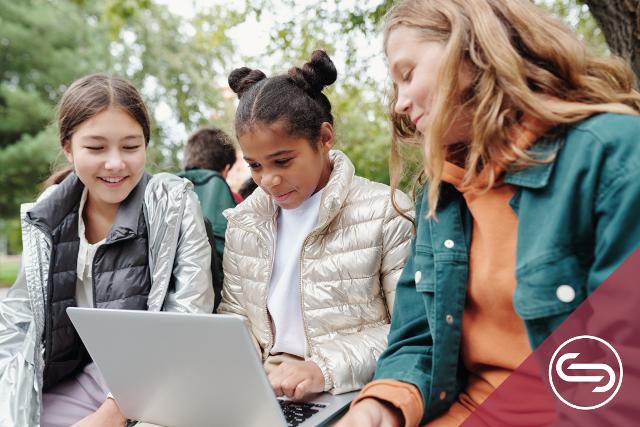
x: 297, y: 380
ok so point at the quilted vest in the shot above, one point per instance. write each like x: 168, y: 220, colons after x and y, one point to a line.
x: 121, y: 278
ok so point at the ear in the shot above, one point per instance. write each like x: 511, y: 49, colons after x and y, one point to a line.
x: 66, y: 148
x: 225, y: 171
x: 327, y: 137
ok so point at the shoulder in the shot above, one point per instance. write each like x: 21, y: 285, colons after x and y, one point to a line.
x: 166, y: 193
x: 608, y: 137
x: 257, y: 208
x: 47, y: 193
x: 377, y: 195
x: 598, y: 156
x: 608, y: 126
x: 166, y: 183
x: 217, y: 183
x: 24, y: 207
x: 203, y: 177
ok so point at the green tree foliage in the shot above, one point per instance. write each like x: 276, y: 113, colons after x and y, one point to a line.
x: 180, y: 66
x: 45, y: 43
x: 577, y: 15
x: 22, y: 111
x: 24, y: 165
x: 45, y: 46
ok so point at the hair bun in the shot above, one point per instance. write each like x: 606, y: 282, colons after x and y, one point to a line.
x: 316, y: 74
x: 243, y: 78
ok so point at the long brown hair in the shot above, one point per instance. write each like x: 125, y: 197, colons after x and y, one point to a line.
x: 522, y: 61
x: 89, y: 96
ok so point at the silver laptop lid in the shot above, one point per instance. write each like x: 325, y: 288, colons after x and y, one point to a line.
x: 179, y: 369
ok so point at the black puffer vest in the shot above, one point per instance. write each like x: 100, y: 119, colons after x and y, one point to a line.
x: 120, y: 270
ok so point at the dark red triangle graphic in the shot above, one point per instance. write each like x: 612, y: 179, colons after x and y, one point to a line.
x: 610, y: 315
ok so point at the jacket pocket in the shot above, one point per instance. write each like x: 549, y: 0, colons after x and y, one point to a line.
x: 550, y: 288
x: 423, y: 269
x: 424, y: 277
x: 547, y: 293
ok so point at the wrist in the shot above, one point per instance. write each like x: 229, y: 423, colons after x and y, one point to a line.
x: 326, y: 376
x: 111, y: 409
x: 392, y: 414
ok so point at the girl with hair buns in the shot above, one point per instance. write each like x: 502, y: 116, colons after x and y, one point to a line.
x: 531, y: 200
x: 106, y: 235
x: 312, y: 257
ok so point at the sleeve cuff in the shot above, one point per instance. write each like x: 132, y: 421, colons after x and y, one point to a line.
x: 328, y: 381
x: 404, y: 396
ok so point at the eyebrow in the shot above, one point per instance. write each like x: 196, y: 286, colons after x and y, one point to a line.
x: 396, y: 65
x: 271, y: 156
x: 103, y: 139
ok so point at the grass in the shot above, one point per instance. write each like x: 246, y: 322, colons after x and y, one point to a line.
x: 8, y: 271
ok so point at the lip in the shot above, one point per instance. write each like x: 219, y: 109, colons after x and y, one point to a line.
x: 282, y: 197
x: 116, y: 184
x: 415, y: 120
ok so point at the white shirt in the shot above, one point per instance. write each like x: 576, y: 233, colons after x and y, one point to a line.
x: 284, y: 300
x: 86, y: 252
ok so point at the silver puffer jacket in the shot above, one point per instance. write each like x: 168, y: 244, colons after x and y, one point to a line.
x: 349, y: 266
x: 178, y: 247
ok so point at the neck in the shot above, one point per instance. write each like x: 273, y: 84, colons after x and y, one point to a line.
x: 98, y: 219
x: 324, y: 176
x: 457, y: 153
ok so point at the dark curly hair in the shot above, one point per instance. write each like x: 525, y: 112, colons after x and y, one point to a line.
x: 294, y: 99
x: 209, y: 148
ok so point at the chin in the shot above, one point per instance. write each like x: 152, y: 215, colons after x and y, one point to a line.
x: 290, y: 205
x: 114, y: 199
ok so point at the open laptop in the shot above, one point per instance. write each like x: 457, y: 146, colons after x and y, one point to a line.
x: 190, y: 370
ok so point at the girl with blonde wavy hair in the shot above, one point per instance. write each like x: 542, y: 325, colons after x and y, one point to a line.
x: 531, y: 164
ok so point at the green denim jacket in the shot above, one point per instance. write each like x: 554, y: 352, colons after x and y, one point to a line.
x: 578, y: 220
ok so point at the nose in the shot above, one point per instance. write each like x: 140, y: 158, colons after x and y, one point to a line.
x: 114, y: 160
x: 269, y: 180
x: 403, y: 104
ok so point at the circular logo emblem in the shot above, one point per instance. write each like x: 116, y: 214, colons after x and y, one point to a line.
x: 585, y: 372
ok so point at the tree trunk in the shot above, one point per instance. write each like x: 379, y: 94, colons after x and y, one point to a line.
x: 619, y: 21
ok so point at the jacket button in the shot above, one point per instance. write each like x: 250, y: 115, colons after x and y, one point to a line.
x: 443, y: 395
x: 449, y: 244
x: 418, y: 276
x: 449, y: 319
x: 565, y: 293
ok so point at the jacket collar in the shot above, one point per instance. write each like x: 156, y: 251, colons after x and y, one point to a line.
x: 65, y: 198
x: 260, y: 207
x: 199, y: 176
x: 128, y: 216
x: 537, y: 176
x: 61, y: 201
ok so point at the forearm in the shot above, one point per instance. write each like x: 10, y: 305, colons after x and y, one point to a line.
x: 403, y: 397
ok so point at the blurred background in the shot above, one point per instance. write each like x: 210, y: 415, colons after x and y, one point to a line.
x: 180, y: 52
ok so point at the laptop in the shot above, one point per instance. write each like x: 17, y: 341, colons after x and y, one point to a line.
x: 191, y: 370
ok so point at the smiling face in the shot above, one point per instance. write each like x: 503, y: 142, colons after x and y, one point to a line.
x: 287, y: 167
x: 414, y: 65
x: 108, y: 154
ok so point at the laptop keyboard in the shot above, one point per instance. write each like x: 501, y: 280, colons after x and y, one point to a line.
x: 297, y: 412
